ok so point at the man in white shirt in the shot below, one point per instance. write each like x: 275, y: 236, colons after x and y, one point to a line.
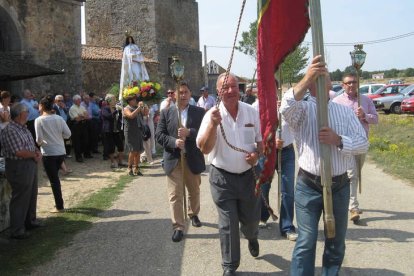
x: 231, y: 176
x: 169, y: 101
x: 346, y: 138
x: 205, y: 101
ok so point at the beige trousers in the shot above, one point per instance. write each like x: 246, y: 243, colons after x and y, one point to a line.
x: 176, y: 191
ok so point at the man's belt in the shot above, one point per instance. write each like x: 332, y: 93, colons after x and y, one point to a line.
x: 235, y: 174
x: 314, y: 181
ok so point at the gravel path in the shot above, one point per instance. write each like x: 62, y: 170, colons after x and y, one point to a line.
x: 134, y: 236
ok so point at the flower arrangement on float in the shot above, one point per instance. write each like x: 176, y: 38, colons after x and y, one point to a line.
x: 144, y: 90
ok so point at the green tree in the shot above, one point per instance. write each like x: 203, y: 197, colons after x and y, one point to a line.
x: 336, y: 75
x: 409, y: 72
x: 291, y: 67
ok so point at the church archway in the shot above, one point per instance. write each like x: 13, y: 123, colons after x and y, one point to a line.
x: 10, y: 41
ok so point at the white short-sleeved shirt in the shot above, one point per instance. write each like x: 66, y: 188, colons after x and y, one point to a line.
x: 243, y: 133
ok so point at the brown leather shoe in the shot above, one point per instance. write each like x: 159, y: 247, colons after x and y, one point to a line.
x: 354, y: 215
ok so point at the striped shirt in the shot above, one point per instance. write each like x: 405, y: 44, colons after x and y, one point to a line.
x: 14, y: 138
x: 302, y: 119
x: 371, y: 115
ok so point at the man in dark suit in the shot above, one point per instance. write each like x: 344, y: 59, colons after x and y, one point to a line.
x: 175, y: 139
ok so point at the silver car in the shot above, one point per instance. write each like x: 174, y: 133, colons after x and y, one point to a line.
x: 392, y: 104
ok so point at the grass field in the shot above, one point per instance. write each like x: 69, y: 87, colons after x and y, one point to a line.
x: 392, y: 145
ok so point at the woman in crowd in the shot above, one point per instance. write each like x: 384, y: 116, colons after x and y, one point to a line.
x: 51, y: 130
x: 4, y: 109
x: 133, y: 123
x: 112, y: 133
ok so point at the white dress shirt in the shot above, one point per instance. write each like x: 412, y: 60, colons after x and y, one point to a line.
x: 302, y: 119
x: 243, y: 133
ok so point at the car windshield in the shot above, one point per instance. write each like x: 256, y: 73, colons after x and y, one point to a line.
x: 406, y: 91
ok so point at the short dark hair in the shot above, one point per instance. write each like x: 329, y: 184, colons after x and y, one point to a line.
x: 349, y: 75
x: 127, y: 40
x: 47, y: 102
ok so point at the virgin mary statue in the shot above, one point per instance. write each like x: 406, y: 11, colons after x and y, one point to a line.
x: 133, y: 67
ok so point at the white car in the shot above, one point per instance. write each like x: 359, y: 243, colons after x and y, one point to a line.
x: 370, y: 88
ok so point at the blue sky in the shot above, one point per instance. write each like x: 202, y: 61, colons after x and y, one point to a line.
x: 343, y: 21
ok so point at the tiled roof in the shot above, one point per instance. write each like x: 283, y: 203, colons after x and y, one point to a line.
x: 105, y: 53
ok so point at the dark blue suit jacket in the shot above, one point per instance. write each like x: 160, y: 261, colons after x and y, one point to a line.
x: 167, y: 133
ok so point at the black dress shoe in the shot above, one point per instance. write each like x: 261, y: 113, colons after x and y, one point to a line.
x: 229, y: 272
x: 254, y: 247
x: 80, y: 160
x: 20, y: 236
x: 177, y: 235
x: 195, y: 221
x: 34, y: 225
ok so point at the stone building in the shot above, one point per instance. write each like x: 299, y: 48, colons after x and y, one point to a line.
x: 161, y: 28
x: 45, y: 33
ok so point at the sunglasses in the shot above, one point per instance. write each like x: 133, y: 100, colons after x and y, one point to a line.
x: 170, y: 92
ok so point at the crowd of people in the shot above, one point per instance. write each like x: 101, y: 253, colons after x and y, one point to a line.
x: 32, y: 132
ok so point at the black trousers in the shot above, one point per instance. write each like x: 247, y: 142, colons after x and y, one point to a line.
x: 31, y: 128
x: 22, y: 176
x: 80, y: 138
x: 93, y: 133
x: 52, y: 165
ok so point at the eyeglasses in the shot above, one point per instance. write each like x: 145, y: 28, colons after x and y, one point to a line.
x: 350, y: 82
x: 170, y: 92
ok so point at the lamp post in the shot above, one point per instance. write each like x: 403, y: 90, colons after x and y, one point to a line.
x: 177, y: 73
x: 358, y: 59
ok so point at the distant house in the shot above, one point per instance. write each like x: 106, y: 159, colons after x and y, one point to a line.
x: 214, y: 70
x: 378, y: 76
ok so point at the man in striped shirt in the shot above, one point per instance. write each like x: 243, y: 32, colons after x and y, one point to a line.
x: 346, y: 137
x: 22, y: 157
x: 366, y: 114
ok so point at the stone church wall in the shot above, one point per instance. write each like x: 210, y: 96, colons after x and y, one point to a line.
x: 50, y: 33
x: 161, y: 28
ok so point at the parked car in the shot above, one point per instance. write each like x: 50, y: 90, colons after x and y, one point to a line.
x: 397, y: 81
x: 388, y: 90
x: 392, y: 104
x: 336, y: 87
x: 407, y: 105
x: 370, y: 88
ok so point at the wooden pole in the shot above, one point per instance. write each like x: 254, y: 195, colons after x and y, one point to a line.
x: 322, y: 103
x: 279, y: 151
x: 358, y: 158
x: 182, y: 160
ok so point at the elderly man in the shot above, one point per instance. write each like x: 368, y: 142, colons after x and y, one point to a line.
x: 79, y: 116
x: 33, y: 107
x: 248, y: 97
x: 346, y: 137
x: 169, y: 101
x: 366, y: 114
x: 22, y: 157
x: 232, y: 181
x: 177, y: 140
x: 205, y: 101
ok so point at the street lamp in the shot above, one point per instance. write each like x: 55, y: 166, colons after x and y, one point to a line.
x: 177, y: 69
x: 358, y: 56
x: 177, y: 73
x: 358, y: 59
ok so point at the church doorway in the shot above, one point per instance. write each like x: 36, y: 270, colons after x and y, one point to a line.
x: 10, y: 43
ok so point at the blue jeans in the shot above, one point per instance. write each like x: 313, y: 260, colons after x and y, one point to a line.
x: 287, y: 191
x: 309, y: 207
